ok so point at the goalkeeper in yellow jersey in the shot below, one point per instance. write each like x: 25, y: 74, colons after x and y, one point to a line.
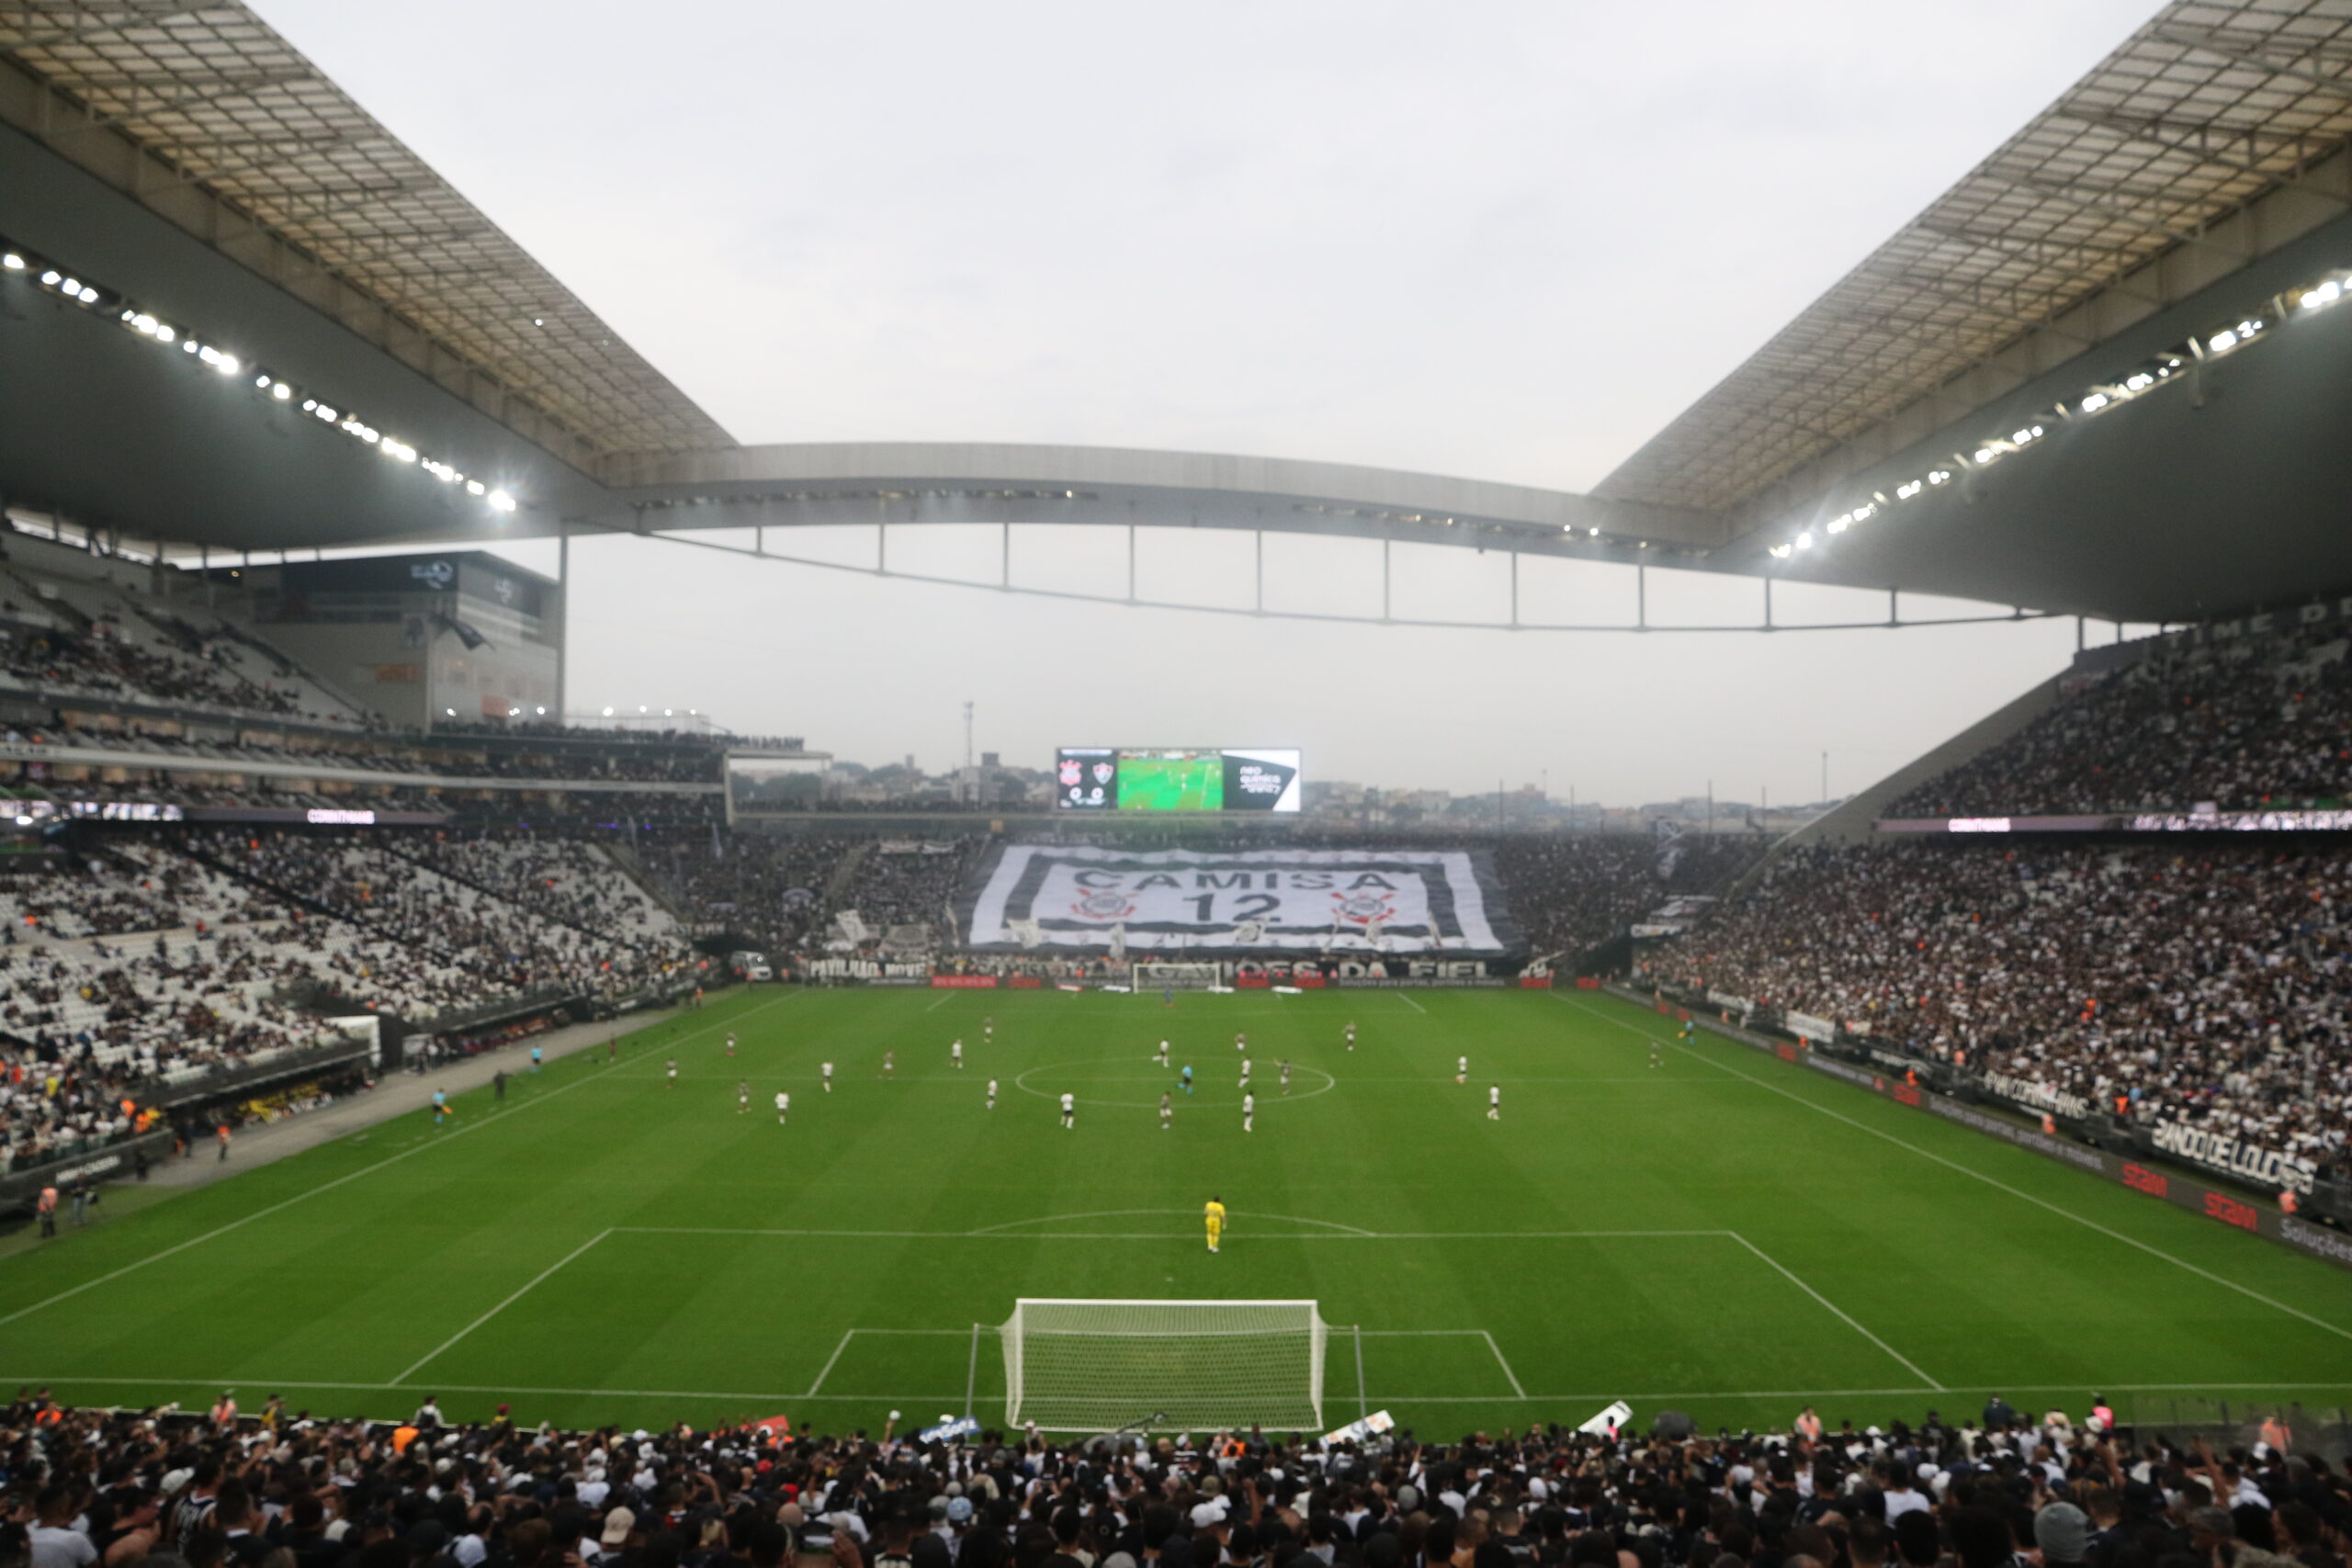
x: 1215, y: 1215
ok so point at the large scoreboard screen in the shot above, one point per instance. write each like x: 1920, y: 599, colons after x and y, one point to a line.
x: 1177, y: 778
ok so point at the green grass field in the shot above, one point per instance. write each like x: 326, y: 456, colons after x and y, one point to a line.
x: 1723, y: 1233
x: 1171, y: 783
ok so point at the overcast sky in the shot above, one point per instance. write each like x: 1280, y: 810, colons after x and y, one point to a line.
x: 1501, y: 241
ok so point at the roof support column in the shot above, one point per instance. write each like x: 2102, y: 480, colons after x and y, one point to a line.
x: 563, y: 614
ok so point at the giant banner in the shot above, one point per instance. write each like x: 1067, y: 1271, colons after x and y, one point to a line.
x: 1071, y: 898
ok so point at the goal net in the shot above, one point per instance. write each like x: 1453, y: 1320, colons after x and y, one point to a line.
x: 1091, y: 1366
x: 1180, y: 976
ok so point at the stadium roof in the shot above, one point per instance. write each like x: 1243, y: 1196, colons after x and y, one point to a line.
x: 203, y: 174
x: 168, y: 100
x: 2211, y: 106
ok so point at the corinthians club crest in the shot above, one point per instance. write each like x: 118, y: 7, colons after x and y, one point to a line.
x: 1362, y: 909
x: 1103, y: 906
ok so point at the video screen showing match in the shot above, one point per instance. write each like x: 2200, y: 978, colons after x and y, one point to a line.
x: 1187, y: 779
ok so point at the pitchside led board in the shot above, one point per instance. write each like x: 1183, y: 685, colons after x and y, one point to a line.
x: 1182, y: 778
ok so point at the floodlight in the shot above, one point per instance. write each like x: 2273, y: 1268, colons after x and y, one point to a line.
x: 13, y: 262
x: 2219, y: 341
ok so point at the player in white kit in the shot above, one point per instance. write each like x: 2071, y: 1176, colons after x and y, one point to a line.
x: 956, y: 1055
x: 1167, y: 1111
x: 991, y: 1094
x: 1350, y: 1032
x: 783, y: 1105
x: 1494, y: 1102
x: 742, y: 1097
x: 1461, y: 1069
x: 1285, y: 1066
x: 1245, y: 1072
x: 1069, y: 1110
x: 1162, y: 1058
x: 828, y: 1078
x: 731, y: 1044
x: 1249, y: 1112
x: 674, y: 1072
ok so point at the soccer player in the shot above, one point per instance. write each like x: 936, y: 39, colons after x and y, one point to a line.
x: 956, y: 1055
x: 612, y: 1050
x: 827, y: 1071
x: 1285, y: 1066
x: 1167, y: 996
x: 730, y: 1045
x: 536, y: 1055
x: 783, y: 1106
x: 1657, y: 1051
x: 889, y: 1064
x: 742, y: 1096
x: 1162, y: 1058
x: 991, y: 1094
x: 1461, y: 1069
x: 1240, y: 1040
x: 1245, y: 1072
x: 988, y: 1030
x: 1494, y: 1102
x: 1188, y: 1077
x: 674, y: 1072
x: 1167, y: 1110
x: 1689, y: 1031
x: 1215, y: 1215
x: 1249, y: 1112
x: 1069, y: 1111
x: 440, y: 1108
x: 1350, y: 1034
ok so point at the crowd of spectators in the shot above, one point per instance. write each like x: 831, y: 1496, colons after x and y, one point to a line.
x: 473, y: 941
x: 769, y: 887
x: 2249, y: 724
x: 149, y: 959
x: 2209, y: 985
x: 289, y: 1491
x: 1571, y: 892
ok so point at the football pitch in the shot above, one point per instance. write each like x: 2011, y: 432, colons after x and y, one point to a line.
x: 1721, y: 1233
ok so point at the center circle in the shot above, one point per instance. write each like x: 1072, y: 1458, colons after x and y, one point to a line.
x: 1172, y: 1080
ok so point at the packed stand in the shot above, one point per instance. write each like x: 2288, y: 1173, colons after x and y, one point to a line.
x: 2209, y: 985
x: 1571, y: 892
x: 2262, y: 722
x: 222, y: 1490
x: 768, y: 887
x: 485, y: 944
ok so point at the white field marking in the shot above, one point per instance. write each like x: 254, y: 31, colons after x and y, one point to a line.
x: 307, y: 1193
x: 1122, y: 1213
x: 54, y: 1378
x: 945, y: 998
x: 1994, y: 1181
x: 1409, y: 1002
x: 1494, y: 1349
x: 1508, y: 1376
x: 849, y: 1335
x: 827, y: 1371
x: 519, y: 1293
x: 1350, y: 1235
x: 1790, y: 1274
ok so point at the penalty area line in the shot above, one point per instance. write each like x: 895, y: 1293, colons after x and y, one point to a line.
x: 1993, y: 1181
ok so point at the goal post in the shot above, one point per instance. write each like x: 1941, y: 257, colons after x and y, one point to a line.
x: 1176, y: 976
x: 1074, y: 1365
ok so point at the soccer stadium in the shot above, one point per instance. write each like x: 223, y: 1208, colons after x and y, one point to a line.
x: 457, y: 1112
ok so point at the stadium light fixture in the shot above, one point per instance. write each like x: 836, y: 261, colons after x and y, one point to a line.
x: 608, y: 713
x: 128, y: 314
x: 2152, y: 374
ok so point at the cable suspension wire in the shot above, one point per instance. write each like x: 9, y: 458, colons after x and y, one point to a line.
x: 1129, y: 600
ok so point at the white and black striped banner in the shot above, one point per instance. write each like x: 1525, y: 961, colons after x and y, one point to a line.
x: 1346, y: 901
